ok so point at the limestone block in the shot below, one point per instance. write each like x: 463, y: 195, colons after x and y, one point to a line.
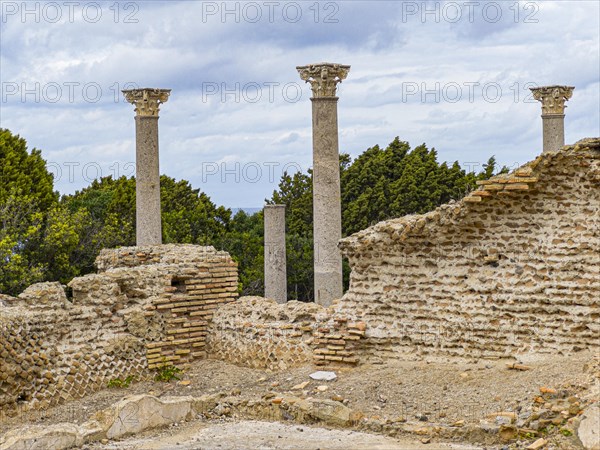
x: 56, y: 437
x: 589, y: 428
x: 141, y: 412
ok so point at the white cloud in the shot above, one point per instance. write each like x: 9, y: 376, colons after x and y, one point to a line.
x: 390, y: 50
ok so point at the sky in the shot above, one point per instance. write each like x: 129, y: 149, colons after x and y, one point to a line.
x: 453, y: 74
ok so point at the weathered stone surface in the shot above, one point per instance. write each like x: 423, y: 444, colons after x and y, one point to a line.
x: 334, y: 413
x: 147, y: 188
x: 507, y: 275
x: 589, y: 428
x: 44, y: 294
x: 55, y: 437
x: 141, y: 412
x: 138, y: 413
x: 147, y: 307
x: 258, y: 332
x: 323, y: 375
x: 275, y: 254
x: 327, y: 227
x: 323, y: 77
x: 553, y: 100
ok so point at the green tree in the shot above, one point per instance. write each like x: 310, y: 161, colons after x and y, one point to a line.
x: 28, y: 213
x: 106, y: 210
x: 244, y: 241
x: 379, y: 184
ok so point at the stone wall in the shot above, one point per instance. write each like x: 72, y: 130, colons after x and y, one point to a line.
x: 258, y: 332
x: 512, y: 268
x: 147, y: 306
x: 201, y: 281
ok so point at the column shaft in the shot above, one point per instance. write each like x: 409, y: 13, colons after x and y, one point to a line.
x: 147, y: 103
x: 326, y: 201
x: 147, y: 188
x: 327, y: 210
x: 275, y: 254
x: 553, y: 131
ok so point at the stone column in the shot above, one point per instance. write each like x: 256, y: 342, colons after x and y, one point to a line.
x: 147, y: 183
x: 553, y: 100
x: 327, y: 220
x: 275, y: 265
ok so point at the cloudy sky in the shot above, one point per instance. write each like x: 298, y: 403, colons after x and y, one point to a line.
x: 455, y: 75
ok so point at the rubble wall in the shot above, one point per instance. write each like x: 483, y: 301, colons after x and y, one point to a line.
x: 513, y: 268
x: 146, y: 307
x: 260, y: 333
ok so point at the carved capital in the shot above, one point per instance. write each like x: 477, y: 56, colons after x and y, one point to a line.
x: 553, y: 98
x: 323, y: 78
x: 147, y: 101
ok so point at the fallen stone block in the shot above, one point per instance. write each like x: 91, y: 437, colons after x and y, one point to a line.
x: 141, y: 412
x: 56, y: 437
x: 589, y: 428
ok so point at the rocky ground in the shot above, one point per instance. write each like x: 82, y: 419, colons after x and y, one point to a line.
x: 480, y: 402
x: 265, y: 436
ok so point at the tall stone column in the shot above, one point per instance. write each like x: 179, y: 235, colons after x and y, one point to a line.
x: 327, y: 220
x: 147, y: 186
x: 275, y: 264
x: 553, y: 100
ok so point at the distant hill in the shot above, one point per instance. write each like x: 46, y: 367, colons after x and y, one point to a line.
x: 249, y: 211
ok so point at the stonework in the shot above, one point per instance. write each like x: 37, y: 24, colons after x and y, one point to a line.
x: 275, y: 254
x: 513, y: 268
x: 147, y: 306
x: 260, y: 333
x: 324, y: 78
x: 148, y: 211
x: 147, y: 101
x: 553, y: 100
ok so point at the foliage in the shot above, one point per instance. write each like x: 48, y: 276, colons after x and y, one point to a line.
x: 167, y: 372
x: 379, y: 184
x: 122, y: 384
x: 44, y: 238
x: 28, y: 217
x: 107, y: 215
x: 244, y: 242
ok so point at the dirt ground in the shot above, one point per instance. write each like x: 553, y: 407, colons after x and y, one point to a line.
x: 265, y: 436
x: 428, y: 392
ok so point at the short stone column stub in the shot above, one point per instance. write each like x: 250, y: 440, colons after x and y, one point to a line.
x: 147, y: 103
x: 553, y: 100
x: 275, y: 253
x: 327, y: 225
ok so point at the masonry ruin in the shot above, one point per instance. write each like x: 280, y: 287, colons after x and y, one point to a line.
x: 327, y: 205
x: 145, y: 307
x: 511, y: 269
x: 147, y: 103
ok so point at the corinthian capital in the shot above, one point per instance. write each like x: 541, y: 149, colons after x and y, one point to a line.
x: 323, y: 77
x: 147, y: 101
x: 553, y: 98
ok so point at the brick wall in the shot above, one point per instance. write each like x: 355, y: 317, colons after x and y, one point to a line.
x: 258, y: 332
x: 146, y: 306
x: 512, y: 268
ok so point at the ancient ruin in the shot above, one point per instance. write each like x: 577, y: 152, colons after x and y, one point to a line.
x: 145, y: 307
x: 323, y: 79
x: 553, y: 100
x: 148, y: 219
x: 511, y: 268
x: 505, y: 280
x: 275, y: 264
